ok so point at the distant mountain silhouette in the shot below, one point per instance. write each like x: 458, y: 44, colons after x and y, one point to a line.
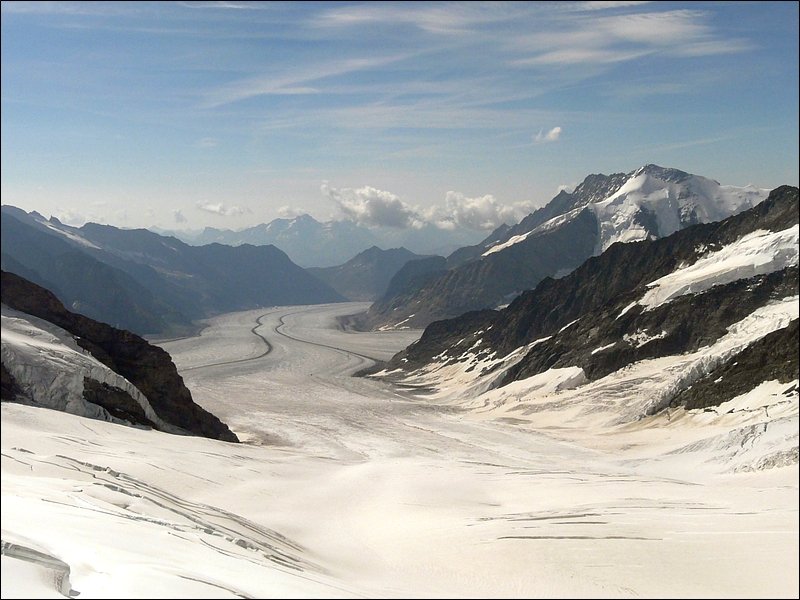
x: 139, y: 280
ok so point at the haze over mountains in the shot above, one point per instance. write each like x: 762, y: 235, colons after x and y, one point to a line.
x: 310, y: 243
x: 147, y: 283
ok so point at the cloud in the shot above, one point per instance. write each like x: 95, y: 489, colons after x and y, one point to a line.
x: 207, y: 142
x: 373, y: 207
x: 566, y: 187
x: 601, y: 5
x: 480, y: 213
x: 290, y: 212
x: 178, y: 216
x: 294, y: 82
x: 219, y: 208
x: 551, y: 136
x: 452, y: 18
x: 580, y: 38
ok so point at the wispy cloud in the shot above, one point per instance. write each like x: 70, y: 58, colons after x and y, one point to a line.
x: 575, y: 39
x: 610, y: 4
x: 451, y: 18
x: 294, y: 82
x: 544, y: 137
x: 207, y: 142
x: 219, y: 208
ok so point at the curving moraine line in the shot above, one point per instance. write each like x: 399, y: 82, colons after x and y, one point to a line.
x: 282, y: 323
x: 267, y: 350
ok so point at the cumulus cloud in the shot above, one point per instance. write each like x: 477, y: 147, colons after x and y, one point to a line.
x: 218, y: 208
x: 373, y: 207
x: 480, y: 213
x: 544, y: 137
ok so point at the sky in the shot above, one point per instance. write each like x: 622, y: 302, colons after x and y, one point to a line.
x: 183, y: 115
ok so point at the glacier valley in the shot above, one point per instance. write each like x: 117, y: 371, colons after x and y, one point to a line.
x: 360, y: 486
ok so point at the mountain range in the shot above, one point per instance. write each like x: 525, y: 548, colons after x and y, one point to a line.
x: 688, y: 321
x: 648, y: 203
x: 148, y: 283
x: 311, y: 243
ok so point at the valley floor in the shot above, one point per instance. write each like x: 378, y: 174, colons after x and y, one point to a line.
x: 351, y: 487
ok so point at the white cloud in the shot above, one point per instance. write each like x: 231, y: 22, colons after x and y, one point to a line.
x: 293, y: 82
x: 290, y: 212
x: 550, y: 136
x: 378, y: 208
x: 178, y: 216
x: 373, y: 207
x: 566, y: 187
x: 479, y: 213
x: 218, y: 208
x: 601, y: 5
x: 207, y: 142
x: 447, y: 18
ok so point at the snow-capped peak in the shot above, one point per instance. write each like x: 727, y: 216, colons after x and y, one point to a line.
x: 656, y: 202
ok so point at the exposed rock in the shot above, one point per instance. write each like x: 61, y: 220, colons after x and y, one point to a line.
x: 147, y: 367
x: 772, y: 358
x: 9, y: 388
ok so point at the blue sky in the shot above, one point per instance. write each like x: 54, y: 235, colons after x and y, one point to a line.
x: 188, y: 114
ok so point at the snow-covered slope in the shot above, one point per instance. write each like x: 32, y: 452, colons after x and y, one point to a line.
x: 654, y: 202
x: 50, y: 368
x: 628, y: 334
x: 58, y: 359
x: 657, y: 202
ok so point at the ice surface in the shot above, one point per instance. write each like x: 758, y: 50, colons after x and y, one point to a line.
x: 352, y: 487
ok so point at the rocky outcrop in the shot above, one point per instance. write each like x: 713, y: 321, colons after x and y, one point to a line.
x: 147, y: 367
x: 772, y: 358
x: 10, y: 391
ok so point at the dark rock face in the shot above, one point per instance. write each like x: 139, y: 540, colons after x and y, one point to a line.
x: 581, y: 313
x: 9, y: 388
x: 116, y: 401
x: 772, y: 358
x: 148, y: 367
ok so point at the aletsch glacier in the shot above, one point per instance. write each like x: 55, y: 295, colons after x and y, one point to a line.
x: 488, y: 458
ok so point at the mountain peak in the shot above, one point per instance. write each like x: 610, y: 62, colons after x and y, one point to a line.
x: 663, y: 173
